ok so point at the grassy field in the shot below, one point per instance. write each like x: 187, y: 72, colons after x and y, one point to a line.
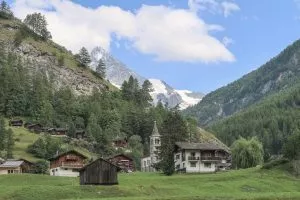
x: 243, y: 184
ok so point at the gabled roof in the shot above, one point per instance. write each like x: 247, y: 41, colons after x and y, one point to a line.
x: 12, y: 163
x: 199, y: 146
x: 155, y: 130
x: 68, y: 152
x: 129, y: 158
x: 102, y: 160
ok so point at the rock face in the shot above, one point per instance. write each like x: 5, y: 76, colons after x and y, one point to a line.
x: 117, y: 72
x: 81, y: 81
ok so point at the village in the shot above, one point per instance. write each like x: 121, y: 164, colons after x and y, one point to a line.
x: 188, y: 158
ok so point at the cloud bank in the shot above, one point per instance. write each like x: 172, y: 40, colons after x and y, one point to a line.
x: 164, y: 32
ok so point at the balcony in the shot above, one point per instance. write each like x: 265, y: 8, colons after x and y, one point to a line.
x: 191, y: 158
x: 211, y: 158
x: 71, y: 165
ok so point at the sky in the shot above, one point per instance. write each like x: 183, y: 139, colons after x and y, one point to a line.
x: 198, y: 45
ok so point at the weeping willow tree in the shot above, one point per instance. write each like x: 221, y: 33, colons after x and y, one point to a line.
x: 247, y: 153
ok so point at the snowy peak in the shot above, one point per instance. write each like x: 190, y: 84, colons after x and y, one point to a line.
x: 117, y: 72
x: 164, y: 93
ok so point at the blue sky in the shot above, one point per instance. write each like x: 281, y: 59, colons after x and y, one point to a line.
x: 259, y: 30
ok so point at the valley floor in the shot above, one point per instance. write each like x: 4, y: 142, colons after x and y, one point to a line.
x: 243, y: 184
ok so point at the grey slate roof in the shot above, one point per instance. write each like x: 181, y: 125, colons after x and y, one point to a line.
x: 12, y: 163
x: 198, y: 146
x: 155, y: 130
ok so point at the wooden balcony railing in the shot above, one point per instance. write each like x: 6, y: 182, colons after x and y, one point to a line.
x: 72, y: 165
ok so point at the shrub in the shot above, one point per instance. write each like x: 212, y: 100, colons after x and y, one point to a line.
x: 274, y: 163
x: 61, y: 60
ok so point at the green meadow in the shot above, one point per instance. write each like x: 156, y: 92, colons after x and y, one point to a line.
x: 252, y: 183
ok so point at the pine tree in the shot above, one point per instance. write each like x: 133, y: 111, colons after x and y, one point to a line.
x: 83, y: 57
x: 100, y: 69
x: 5, y: 11
x: 174, y: 130
x: 2, y: 134
x: 9, y: 144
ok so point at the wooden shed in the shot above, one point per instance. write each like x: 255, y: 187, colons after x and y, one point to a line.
x: 16, y: 122
x: 99, y: 172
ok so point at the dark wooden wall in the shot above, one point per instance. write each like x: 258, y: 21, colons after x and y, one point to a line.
x: 100, y: 172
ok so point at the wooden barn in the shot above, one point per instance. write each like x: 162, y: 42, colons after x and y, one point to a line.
x: 123, y: 161
x: 16, y: 122
x: 99, y: 172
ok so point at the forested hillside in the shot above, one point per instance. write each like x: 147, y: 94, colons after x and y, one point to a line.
x: 273, y: 121
x: 278, y: 74
x: 41, y: 82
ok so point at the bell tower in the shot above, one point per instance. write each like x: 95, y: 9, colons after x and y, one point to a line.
x: 155, y: 145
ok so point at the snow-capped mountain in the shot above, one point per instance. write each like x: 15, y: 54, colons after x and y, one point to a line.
x: 164, y: 93
x: 117, y: 72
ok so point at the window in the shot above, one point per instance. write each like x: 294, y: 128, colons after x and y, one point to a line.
x: 157, y: 141
x: 207, y: 165
x: 193, y: 164
x: 177, y: 166
x: 145, y: 163
x: 177, y: 157
x: 10, y: 171
x: 183, y: 165
x: 193, y: 154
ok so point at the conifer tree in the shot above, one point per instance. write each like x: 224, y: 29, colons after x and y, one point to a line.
x: 5, y: 11
x: 9, y: 144
x: 100, y: 69
x: 174, y: 130
x: 83, y: 57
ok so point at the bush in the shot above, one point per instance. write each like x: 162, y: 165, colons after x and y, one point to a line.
x: 274, y: 163
x: 41, y: 167
x: 61, y: 60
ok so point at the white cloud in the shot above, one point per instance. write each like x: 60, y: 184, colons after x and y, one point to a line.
x: 227, y: 41
x: 167, y: 33
x: 214, y: 6
x: 229, y: 7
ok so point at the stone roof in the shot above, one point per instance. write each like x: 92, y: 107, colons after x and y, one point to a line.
x: 199, y: 146
x: 155, y: 130
x: 12, y: 163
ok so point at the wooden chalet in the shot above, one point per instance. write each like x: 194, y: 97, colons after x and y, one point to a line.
x: 123, y: 161
x: 61, y: 131
x: 99, y: 172
x: 36, y: 128
x: 16, y: 167
x: 80, y: 134
x: 16, y: 122
x: 67, y: 164
x: 120, y: 143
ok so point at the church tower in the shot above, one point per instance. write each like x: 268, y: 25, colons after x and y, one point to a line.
x: 155, y: 145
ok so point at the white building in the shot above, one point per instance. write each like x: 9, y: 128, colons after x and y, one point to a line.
x: 155, y: 145
x: 67, y: 164
x: 200, y: 157
x: 15, y: 167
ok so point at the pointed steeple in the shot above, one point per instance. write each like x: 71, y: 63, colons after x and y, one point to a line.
x: 155, y: 130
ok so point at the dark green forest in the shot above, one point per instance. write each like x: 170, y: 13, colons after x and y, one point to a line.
x: 274, y: 121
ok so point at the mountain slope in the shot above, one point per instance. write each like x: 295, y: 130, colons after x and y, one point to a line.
x: 117, y: 72
x: 51, y: 59
x: 272, y: 120
x: 276, y: 75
